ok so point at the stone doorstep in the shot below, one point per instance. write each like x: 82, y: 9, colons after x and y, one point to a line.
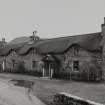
x: 78, y: 98
x: 44, y: 77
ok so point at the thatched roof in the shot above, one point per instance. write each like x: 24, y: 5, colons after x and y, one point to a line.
x: 90, y: 42
x: 8, y: 48
x: 19, y: 40
x: 25, y: 49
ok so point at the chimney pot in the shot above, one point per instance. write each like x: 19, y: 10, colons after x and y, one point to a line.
x: 104, y: 20
x: 3, y: 39
x: 34, y: 33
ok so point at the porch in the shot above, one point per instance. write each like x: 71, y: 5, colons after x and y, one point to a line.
x: 51, y: 65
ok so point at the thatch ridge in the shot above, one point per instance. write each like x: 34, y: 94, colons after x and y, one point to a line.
x: 89, y: 42
x: 58, y: 45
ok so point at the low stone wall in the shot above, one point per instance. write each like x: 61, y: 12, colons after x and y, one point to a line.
x: 69, y: 99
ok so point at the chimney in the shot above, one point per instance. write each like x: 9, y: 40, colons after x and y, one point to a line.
x: 103, y: 28
x: 34, y: 33
x: 33, y: 38
x: 3, y: 41
x: 103, y: 49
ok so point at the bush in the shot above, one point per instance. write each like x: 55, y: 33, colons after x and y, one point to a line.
x: 90, y: 72
x: 75, y: 75
x: 1, y: 69
x: 34, y: 73
x: 62, y: 75
x: 22, y: 70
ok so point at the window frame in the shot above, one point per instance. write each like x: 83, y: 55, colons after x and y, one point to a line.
x: 76, y: 65
x: 34, y: 64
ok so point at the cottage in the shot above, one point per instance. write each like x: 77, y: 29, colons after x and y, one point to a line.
x: 31, y: 57
x: 9, y: 57
x: 71, y: 53
x: 78, y: 54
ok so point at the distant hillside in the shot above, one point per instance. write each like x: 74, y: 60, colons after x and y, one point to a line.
x: 19, y: 40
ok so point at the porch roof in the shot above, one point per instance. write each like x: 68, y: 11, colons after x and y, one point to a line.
x: 48, y: 58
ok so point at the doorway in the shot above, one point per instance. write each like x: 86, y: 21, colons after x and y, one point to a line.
x: 49, y: 66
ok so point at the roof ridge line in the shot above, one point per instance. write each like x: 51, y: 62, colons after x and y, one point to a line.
x: 72, y: 36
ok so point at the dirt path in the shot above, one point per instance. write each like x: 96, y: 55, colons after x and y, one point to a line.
x: 13, y: 95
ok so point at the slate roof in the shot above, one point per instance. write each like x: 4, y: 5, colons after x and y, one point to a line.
x: 89, y: 42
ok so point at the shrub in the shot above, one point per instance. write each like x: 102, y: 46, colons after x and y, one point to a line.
x: 75, y: 75
x: 90, y: 71
x: 1, y: 69
x: 62, y: 75
x: 34, y: 73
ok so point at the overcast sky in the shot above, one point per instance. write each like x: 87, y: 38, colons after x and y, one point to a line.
x: 51, y: 18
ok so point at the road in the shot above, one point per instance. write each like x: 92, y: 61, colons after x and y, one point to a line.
x: 14, y: 95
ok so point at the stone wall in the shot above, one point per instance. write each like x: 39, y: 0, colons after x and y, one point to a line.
x: 103, y: 63
x: 69, y: 99
x: 83, y: 56
x: 29, y: 58
x: 2, y: 58
x: 103, y: 46
x: 11, y: 58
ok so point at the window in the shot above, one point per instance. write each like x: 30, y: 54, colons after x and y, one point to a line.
x: 13, y: 62
x: 76, y: 65
x: 34, y: 64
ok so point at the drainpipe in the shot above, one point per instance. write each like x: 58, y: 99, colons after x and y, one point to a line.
x: 4, y: 64
x: 49, y: 71
x: 43, y: 72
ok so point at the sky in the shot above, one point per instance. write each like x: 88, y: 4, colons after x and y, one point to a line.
x: 51, y: 18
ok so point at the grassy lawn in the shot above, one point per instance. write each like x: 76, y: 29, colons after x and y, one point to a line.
x: 44, y: 89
